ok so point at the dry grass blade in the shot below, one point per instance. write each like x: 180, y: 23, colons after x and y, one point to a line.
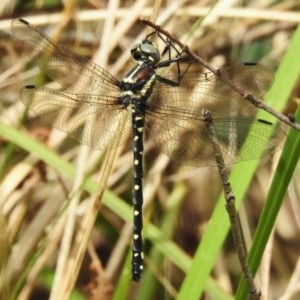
x: 37, y: 182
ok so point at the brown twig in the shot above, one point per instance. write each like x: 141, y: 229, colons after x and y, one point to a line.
x: 254, y: 292
x: 244, y: 93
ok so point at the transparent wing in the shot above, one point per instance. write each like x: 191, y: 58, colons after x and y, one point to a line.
x: 90, y: 119
x: 61, y: 64
x: 199, y: 91
x: 183, y: 137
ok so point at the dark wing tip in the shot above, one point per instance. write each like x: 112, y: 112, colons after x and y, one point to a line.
x: 28, y: 87
x: 265, y: 122
x: 24, y: 21
x: 250, y: 64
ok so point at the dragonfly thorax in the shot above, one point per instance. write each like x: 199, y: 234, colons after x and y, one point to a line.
x: 140, y: 77
x: 167, y: 107
x: 137, y: 86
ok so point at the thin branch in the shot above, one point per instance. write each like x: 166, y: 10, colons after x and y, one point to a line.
x: 244, y: 93
x: 254, y: 292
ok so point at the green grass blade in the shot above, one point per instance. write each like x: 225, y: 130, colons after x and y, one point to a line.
x: 198, y: 271
x: 114, y: 203
x: 240, y: 178
x: 122, y: 288
x: 280, y: 182
x: 286, y: 77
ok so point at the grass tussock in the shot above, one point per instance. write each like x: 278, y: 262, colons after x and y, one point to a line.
x: 65, y: 209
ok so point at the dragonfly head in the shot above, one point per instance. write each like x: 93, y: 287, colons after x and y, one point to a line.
x: 146, y: 51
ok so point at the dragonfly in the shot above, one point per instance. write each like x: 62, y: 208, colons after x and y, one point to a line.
x: 100, y: 111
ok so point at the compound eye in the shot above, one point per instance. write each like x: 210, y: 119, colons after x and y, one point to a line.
x: 151, y: 51
x: 136, y: 51
x: 135, y: 47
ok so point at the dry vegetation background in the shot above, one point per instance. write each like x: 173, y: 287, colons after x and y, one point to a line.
x: 35, y: 196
